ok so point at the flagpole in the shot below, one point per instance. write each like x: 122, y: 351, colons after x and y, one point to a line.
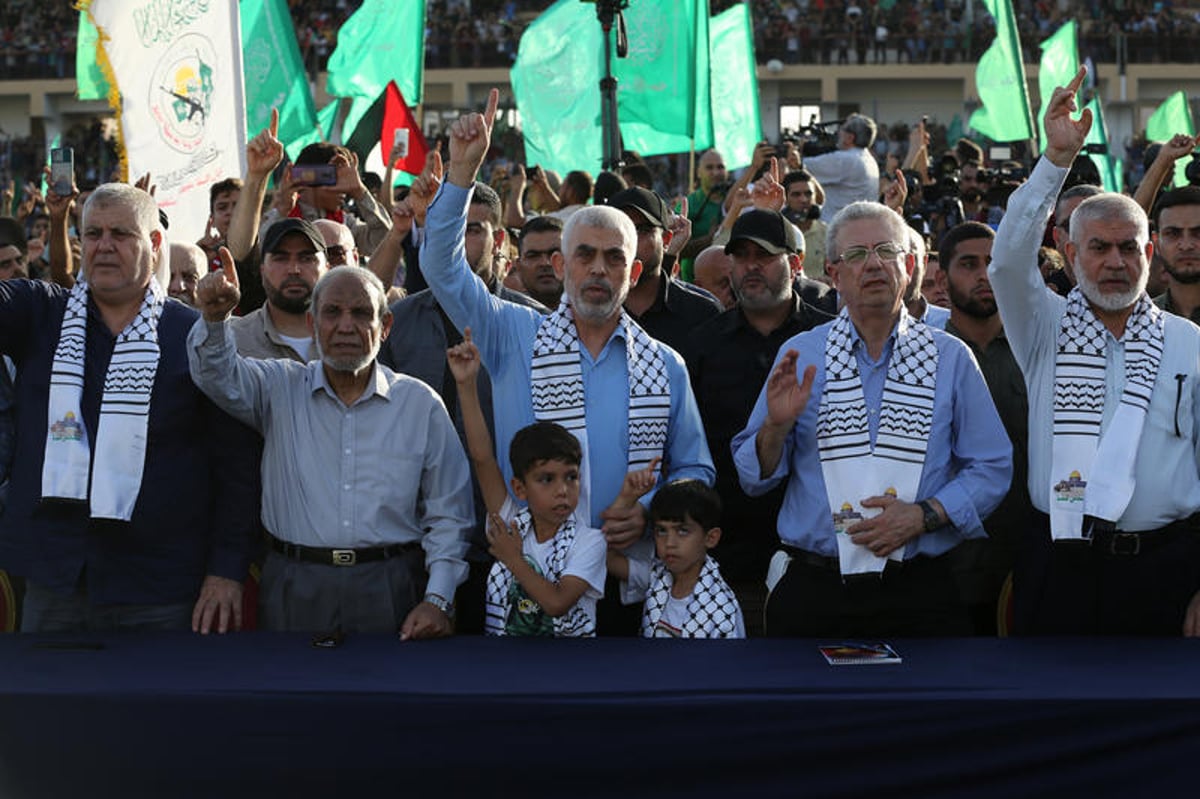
x: 691, y: 168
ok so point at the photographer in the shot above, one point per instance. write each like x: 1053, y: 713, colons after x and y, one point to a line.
x: 849, y: 173
x: 704, y: 203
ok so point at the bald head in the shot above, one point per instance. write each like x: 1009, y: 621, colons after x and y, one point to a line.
x: 188, y: 264
x: 339, y: 243
x: 712, y: 271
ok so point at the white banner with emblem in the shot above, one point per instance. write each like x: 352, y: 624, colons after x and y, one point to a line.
x: 176, y: 69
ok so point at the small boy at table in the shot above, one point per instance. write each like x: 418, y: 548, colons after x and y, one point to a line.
x: 549, y: 568
x: 685, y: 596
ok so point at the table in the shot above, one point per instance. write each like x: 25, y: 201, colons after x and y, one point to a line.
x: 262, y: 714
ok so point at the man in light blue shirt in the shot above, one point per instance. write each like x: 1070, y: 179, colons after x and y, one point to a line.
x: 891, y: 450
x: 618, y: 379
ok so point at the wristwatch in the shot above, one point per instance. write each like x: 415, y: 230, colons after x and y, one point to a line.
x: 932, y: 520
x: 441, y: 603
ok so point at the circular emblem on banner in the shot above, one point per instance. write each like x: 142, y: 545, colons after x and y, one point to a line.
x: 181, y: 93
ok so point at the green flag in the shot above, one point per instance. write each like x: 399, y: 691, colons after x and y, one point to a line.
x: 663, y: 86
x: 737, y: 124
x: 273, y: 72
x: 1000, y: 81
x: 320, y: 131
x: 89, y: 77
x: 383, y: 41
x: 1060, y: 62
x: 1110, y: 171
x: 1172, y: 117
x: 555, y: 80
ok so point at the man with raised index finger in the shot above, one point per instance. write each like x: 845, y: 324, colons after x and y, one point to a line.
x: 365, y: 535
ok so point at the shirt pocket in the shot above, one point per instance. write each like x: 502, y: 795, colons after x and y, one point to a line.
x: 1171, y: 409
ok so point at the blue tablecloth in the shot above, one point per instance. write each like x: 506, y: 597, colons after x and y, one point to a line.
x: 268, y: 715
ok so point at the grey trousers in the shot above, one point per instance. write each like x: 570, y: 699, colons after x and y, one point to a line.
x: 313, y: 597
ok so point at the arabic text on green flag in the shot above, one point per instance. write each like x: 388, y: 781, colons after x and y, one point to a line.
x: 1172, y: 117
x: 1000, y: 81
x: 737, y: 124
x: 383, y: 41
x: 274, y: 74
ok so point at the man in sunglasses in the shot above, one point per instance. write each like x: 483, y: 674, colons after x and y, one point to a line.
x: 890, y: 448
x: 340, y: 249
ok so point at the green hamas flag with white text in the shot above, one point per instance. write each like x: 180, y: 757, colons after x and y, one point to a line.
x: 737, y: 124
x: 663, y: 86
x: 1172, y: 117
x: 555, y: 81
x: 1000, y: 81
x: 1110, y: 172
x: 383, y: 41
x: 274, y: 75
x: 1060, y: 62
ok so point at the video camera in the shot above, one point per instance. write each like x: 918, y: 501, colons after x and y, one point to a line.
x: 819, y: 137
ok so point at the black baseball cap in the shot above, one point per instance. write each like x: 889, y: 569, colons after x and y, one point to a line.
x: 644, y: 200
x: 277, y: 231
x: 767, y: 229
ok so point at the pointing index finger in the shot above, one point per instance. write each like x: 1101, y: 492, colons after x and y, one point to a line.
x: 1077, y: 81
x: 489, y: 116
x: 274, y: 126
x: 227, y: 265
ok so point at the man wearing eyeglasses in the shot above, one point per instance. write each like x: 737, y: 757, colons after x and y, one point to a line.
x: 890, y: 448
x: 293, y: 260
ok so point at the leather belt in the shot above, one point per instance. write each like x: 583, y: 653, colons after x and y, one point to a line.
x: 339, y: 557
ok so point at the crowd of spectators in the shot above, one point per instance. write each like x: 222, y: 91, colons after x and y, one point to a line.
x: 37, y: 39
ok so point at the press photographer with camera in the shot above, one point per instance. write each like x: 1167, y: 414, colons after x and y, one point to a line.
x: 848, y: 173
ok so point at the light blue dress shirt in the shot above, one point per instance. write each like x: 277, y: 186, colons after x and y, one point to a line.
x: 388, y: 469
x: 1166, y: 477
x: 505, y: 332
x: 968, y: 462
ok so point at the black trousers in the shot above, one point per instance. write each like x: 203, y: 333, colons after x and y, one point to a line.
x: 915, y: 598
x: 1085, y: 588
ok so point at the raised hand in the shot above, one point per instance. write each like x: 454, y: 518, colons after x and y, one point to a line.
x: 680, y: 228
x: 348, y: 179
x: 767, y: 192
x: 264, y: 151
x: 219, y: 291
x: 426, y: 186
x: 637, y: 483
x: 470, y: 138
x: 1065, y: 136
x: 463, y: 359
x: 787, y: 397
x: 895, y: 195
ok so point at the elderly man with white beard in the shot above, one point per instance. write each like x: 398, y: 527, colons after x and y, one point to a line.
x: 1114, y: 413
x: 587, y: 366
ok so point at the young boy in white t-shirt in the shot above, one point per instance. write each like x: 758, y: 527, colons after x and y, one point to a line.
x: 685, y: 595
x: 550, y: 566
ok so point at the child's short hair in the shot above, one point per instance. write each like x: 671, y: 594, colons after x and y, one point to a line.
x: 680, y: 500
x: 542, y: 441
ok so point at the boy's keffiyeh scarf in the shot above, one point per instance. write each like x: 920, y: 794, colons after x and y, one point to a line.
x: 575, y: 623
x: 711, y: 611
x: 121, y: 434
x: 1075, y: 488
x: 852, y: 471
x: 557, y: 391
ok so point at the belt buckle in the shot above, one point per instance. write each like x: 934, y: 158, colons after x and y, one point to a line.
x: 344, y: 557
x: 1128, y: 544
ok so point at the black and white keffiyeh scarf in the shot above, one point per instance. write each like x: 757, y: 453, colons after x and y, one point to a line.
x: 851, y: 468
x: 556, y: 386
x: 575, y: 623
x: 712, y: 611
x: 1079, y: 389
x: 120, y: 437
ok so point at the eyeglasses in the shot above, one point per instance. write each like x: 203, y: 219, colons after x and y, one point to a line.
x: 886, y: 251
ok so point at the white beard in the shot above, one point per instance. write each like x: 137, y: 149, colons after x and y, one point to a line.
x: 1111, y: 302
